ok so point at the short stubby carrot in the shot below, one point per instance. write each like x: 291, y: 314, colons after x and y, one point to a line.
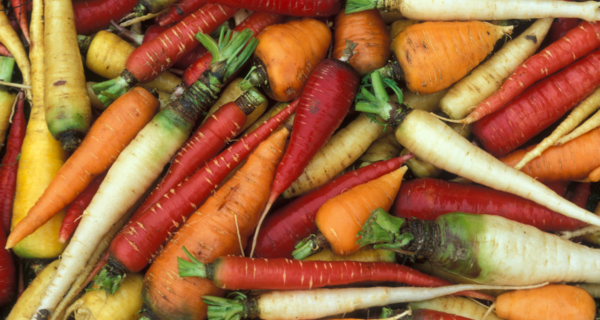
x: 219, y: 227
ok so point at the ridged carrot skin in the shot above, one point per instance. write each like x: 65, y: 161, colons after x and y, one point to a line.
x: 297, y: 8
x: 215, y: 229
x: 428, y: 199
x: 10, y: 165
x: 538, y: 107
x: 155, y: 30
x: 179, y: 11
x: 141, y: 239
x: 256, y: 22
x: 95, y: 15
x: 284, y: 228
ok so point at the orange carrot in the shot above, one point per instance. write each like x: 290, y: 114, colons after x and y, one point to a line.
x: 574, y: 160
x: 220, y: 227
x: 551, y: 302
x: 368, y: 30
x: 109, y: 135
x: 341, y: 218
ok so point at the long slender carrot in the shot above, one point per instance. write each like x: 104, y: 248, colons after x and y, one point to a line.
x: 220, y: 227
x: 109, y: 135
x: 8, y: 277
x: 179, y: 11
x: 21, y: 13
x: 573, y: 46
x: 10, y: 39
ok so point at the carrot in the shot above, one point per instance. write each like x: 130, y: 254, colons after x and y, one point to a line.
x: 430, y: 198
x: 7, y: 98
x: 25, y: 306
x: 179, y: 11
x: 368, y: 30
x: 297, y: 8
x: 286, y: 56
x: 4, y: 51
x: 455, y: 305
x: 76, y: 209
x: 480, y: 10
x: 488, y: 77
x: 95, y: 15
x: 400, y: 25
x: 418, y: 48
x: 10, y: 39
x: 551, y: 302
x: 21, y: 14
x: 219, y: 227
x: 8, y: 277
x: 386, y: 147
x: 239, y: 273
x: 152, y: 6
x: 428, y: 102
x: 362, y: 255
x: 573, y: 46
x: 590, y: 124
x: 340, y: 218
x: 109, y: 135
x: 150, y: 59
x: 10, y: 165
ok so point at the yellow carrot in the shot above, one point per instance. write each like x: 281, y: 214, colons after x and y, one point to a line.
x: 25, y: 306
x: 11, y: 40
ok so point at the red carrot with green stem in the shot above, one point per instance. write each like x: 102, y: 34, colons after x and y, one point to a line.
x: 179, y: 11
x: 325, y: 101
x: 297, y: 8
x: 10, y: 164
x: 150, y: 59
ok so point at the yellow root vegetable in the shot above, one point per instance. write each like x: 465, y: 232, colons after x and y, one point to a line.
x: 428, y: 102
x: 7, y: 98
x: 386, y: 147
x: 25, y: 306
x: 11, y: 41
x: 362, y: 255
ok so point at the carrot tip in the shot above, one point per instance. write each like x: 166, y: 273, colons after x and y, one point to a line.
x: 448, y: 120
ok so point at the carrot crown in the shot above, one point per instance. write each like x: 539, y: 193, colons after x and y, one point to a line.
x: 193, y: 268
x: 383, y: 230
x: 231, y: 309
x: 353, y: 6
x: 310, y: 245
x: 377, y: 105
x: 107, y: 281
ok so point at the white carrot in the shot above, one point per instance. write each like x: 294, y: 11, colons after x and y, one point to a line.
x: 487, y: 78
x: 589, y: 105
x: 455, y: 305
x: 435, y: 10
x: 428, y: 102
x: 328, y: 302
x: 386, y: 147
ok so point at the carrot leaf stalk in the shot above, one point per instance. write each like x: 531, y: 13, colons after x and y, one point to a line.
x: 309, y: 246
x: 108, y: 281
x: 193, y: 268
x: 229, y: 309
x: 382, y: 229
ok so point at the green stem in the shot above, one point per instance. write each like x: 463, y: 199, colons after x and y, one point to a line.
x: 253, y: 79
x: 383, y: 230
x: 386, y: 313
x: 353, y: 6
x: 228, y: 309
x: 235, y: 49
x: 110, y: 90
x: 108, y: 280
x: 309, y: 246
x: 382, y: 109
x: 6, y: 69
x: 195, y: 268
x: 379, y: 87
x: 84, y: 44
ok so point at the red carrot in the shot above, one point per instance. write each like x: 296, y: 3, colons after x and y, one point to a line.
x: 581, y: 194
x: 284, y: 228
x: 21, y: 14
x: 430, y: 198
x: 427, y: 314
x: 155, y: 30
x: 256, y: 22
x: 325, y: 101
x: 297, y: 8
x: 141, y: 238
x: 575, y: 44
x: 8, y: 277
x: 4, y: 51
x: 94, y: 15
x: 76, y: 208
x: 560, y: 187
x: 179, y: 11
x: 239, y: 273
x: 10, y: 164
x: 538, y: 107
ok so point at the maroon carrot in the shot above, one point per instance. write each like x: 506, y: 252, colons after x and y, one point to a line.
x: 179, y: 11
x: 150, y: 59
x: 256, y: 22
x: 581, y: 194
x: 428, y: 199
x: 8, y: 276
x: 427, y: 314
x: 20, y: 10
x: 92, y: 16
x: 284, y: 228
x: 76, y: 208
x: 10, y: 165
x: 297, y: 8
x: 538, y: 107
x: 240, y: 273
x: 560, y: 187
x: 574, y: 45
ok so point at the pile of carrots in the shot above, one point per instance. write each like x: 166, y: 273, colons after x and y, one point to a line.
x: 227, y: 159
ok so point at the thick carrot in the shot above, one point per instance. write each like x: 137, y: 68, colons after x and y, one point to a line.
x: 286, y: 56
x: 368, y: 30
x: 94, y: 15
x: 21, y: 13
x: 298, y: 8
x: 7, y: 97
x: 423, y: 61
x: 10, y: 39
x: 386, y: 147
x: 10, y: 165
x: 573, y: 46
x: 110, y: 134
x: 551, y: 302
x: 220, y: 227
x: 179, y: 11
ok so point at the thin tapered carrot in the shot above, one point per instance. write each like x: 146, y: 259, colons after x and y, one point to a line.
x: 10, y: 39
x: 590, y: 124
x: 109, y: 135
x: 212, y: 231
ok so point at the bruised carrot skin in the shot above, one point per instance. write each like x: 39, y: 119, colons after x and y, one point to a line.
x: 428, y: 199
x: 297, y: 8
x: 538, y: 107
x: 284, y: 228
x: 94, y: 15
x: 179, y: 11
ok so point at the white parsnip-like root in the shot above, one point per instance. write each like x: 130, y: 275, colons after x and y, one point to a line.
x: 589, y: 105
x: 579, y: 232
x: 428, y: 102
x: 386, y: 147
x: 488, y: 77
x: 455, y: 305
x: 592, y: 288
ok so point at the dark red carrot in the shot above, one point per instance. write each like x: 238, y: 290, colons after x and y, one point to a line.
x: 21, y: 14
x: 10, y: 165
x: 297, y: 8
x: 76, y: 208
x: 559, y: 28
x: 575, y: 44
x: 187, y: 60
x: 239, y: 273
x: 560, y: 187
x: 210, y: 138
x: 8, y: 277
x: 284, y: 228
x: 581, y: 194
x: 430, y: 198
x: 150, y: 59
x: 256, y: 22
x: 92, y: 16
x: 140, y: 240
x: 4, y: 51
x: 427, y: 314
x: 538, y: 107
x: 179, y: 11
x: 325, y: 101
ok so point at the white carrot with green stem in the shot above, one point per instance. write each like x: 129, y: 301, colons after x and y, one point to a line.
x: 140, y: 163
